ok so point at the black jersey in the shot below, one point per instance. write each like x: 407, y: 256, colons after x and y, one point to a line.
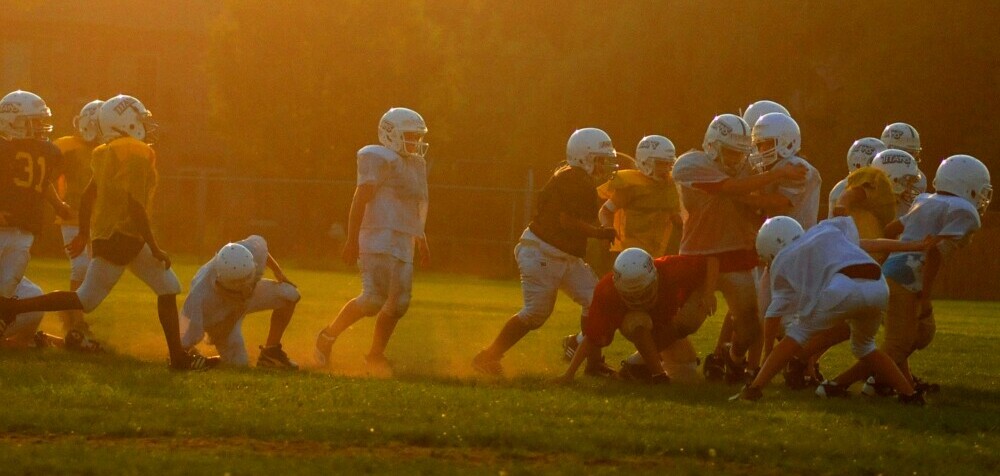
x: 26, y: 169
x: 571, y: 191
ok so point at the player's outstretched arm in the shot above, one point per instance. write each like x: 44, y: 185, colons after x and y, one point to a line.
x: 885, y: 245
x: 753, y: 183
x: 586, y: 347
x: 275, y: 268
x: 79, y: 242
x: 363, y: 194
x: 61, y: 208
x: 586, y: 229
x: 606, y: 215
x: 138, y: 213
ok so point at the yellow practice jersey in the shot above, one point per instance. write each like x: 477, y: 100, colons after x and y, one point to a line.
x: 879, y: 207
x: 645, y: 208
x: 124, y: 168
x: 76, y: 171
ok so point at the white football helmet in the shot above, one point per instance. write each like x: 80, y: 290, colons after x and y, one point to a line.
x: 24, y: 115
x: 652, y: 150
x: 235, y: 270
x: 727, y: 131
x: 901, y: 168
x: 125, y: 116
x: 862, y: 152
x: 775, y: 234
x: 87, y: 123
x: 785, y: 134
x: 757, y: 110
x: 635, y: 278
x: 591, y: 150
x: 393, y: 128
x: 965, y: 176
x: 902, y: 136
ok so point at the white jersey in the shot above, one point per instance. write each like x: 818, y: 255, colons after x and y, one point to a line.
x: 715, y: 223
x: 398, y: 211
x: 835, y: 194
x: 931, y: 215
x: 803, y: 194
x: 803, y: 269
x: 210, y: 307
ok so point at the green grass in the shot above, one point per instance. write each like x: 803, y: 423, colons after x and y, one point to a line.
x: 124, y: 413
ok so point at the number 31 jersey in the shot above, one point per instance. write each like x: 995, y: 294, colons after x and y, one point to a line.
x: 26, y: 170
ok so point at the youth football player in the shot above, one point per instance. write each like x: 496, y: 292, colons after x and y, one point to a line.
x: 229, y: 287
x: 385, y: 226
x: 551, y: 250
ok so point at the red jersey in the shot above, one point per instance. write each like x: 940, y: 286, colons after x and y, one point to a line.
x: 677, y: 278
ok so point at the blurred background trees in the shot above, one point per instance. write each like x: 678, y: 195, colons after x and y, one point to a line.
x: 249, y: 91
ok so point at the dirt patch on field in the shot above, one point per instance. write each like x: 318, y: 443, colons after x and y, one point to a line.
x: 311, y: 449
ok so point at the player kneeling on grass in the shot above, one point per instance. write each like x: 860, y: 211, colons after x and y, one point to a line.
x: 819, y: 279
x: 653, y: 303
x: 229, y: 287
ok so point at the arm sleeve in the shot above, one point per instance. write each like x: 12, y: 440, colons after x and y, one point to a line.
x: 782, y: 298
x: 371, y: 169
x: 690, y: 173
x: 959, y: 222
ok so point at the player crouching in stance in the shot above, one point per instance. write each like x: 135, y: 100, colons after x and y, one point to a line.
x: 387, y: 220
x: 229, y: 287
x: 819, y: 279
x: 550, y: 252
x: 114, y: 220
x: 643, y: 207
x: 963, y: 193
x: 650, y: 302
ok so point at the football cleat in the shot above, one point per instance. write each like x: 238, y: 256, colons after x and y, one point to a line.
x: 193, y: 360
x: 925, y: 386
x: 660, y: 379
x: 487, y: 365
x: 78, y: 341
x: 275, y: 358
x: 916, y: 398
x: 795, y: 374
x: 324, y: 344
x: 634, y: 372
x: 748, y: 393
x: 871, y: 388
x: 736, y: 373
x: 569, y: 345
x: 714, y: 368
x: 830, y: 389
x: 599, y: 369
x: 42, y: 340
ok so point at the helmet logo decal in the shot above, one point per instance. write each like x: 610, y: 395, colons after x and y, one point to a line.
x: 10, y: 108
x: 896, y: 159
x: 724, y: 130
x: 896, y: 134
x: 124, y: 105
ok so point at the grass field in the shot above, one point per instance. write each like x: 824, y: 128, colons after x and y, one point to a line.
x: 125, y: 413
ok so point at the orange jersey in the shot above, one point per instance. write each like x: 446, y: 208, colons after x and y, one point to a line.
x: 879, y: 207
x: 76, y: 171
x: 644, y: 210
x: 124, y: 169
